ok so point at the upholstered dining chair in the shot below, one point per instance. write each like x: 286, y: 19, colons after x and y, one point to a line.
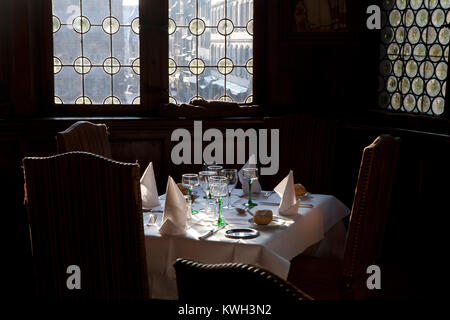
x: 232, y: 282
x: 85, y: 136
x: 333, y: 278
x: 85, y: 210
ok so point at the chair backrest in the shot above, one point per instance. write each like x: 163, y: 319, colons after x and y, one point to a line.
x: 232, y: 282
x: 85, y: 136
x: 369, y: 212
x: 85, y: 210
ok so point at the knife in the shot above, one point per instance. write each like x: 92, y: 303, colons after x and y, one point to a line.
x: 210, y: 233
x: 302, y: 205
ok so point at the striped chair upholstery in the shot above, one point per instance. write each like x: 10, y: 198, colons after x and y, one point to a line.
x: 85, y: 136
x: 85, y: 210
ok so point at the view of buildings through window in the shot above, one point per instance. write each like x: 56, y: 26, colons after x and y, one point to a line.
x: 414, y: 55
x: 210, y: 50
x: 96, y: 51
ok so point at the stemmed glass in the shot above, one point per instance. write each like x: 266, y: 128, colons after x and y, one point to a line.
x: 219, y: 189
x: 204, y: 184
x: 250, y: 174
x: 190, y: 180
x: 232, y: 176
x: 215, y: 168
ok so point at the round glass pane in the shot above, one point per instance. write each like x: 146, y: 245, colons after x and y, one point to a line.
x: 385, y: 68
x: 136, y: 100
x: 438, y: 17
x: 396, y: 101
x: 196, y: 98
x: 81, y: 24
x: 409, y: 102
x: 393, y: 51
x: 445, y: 4
x: 417, y: 86
x: 441, y: 71
x: 387, y: 35
x: 57, y: 65
x: 398, y: 68
x: 83, y: 100
x: 395, y: 18
x: 429, y: 35
x: 225, y: 27
x: 414, y: 35
x: 111, y: 65
x: 426, y: 69
x: 136, y: 65
x: 172, y: 26
x: 56, y: 24
x: 438, y: 106
x: 401, y: 4
x: 110, y: 25
x: 406, y: 51
x: 172, y: 66
x: 391, y: 84
x: 411, y: 68
x: 416, y: 4
x: 405, y: 85
x: 197, y: 26
x: 400, y: 35
x: 249, y: 66
x: 135, y: 25
x: 423, y: 104
x: 433, y: 87
x: 225, y: 66
x: 422, y: 17
x: 435, y: 52
x: 226, y: 99
x: 111, y: 100
x: 197, y: 66
x: 420, y: 52
x: 172, y: 100
x: 431, y: 4
x: 58, y: 100
x: 249, y: 99
x: 82, y: 65
x: 250, y: 27
x: 444, y: 35
x: 408, y: 18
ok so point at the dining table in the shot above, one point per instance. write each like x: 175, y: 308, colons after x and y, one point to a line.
x: 272, y: 249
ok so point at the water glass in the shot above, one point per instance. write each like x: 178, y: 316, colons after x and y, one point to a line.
x: 219, y: 189
x: 232, y: 176
x: 190, y: 180
x: 251, y: 175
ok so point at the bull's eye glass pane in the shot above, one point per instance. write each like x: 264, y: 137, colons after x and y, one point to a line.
x: 96, y: 51
x: 414, y: 55
x: 210, y: 50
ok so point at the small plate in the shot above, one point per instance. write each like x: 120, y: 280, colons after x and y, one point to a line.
x: 241, y: 233
x: 273, y: 224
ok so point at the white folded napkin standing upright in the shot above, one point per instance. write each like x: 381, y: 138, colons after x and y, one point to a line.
x: 174, y: 217
x: 149, y: 192
x: 286, y: 190
x: 256, y: 187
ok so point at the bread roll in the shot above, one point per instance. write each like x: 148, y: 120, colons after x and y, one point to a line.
x: 300, y: 190
x: 262, y: 217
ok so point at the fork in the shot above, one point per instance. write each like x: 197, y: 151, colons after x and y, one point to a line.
x: 268, y: 194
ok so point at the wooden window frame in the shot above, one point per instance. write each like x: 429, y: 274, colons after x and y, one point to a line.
x: 154, y: 75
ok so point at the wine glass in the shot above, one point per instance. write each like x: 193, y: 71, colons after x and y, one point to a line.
x: 250, y: 174
x: 232, y: 176
x: 204, y: 185
x: 215, y: 169
x: 190, y: 180
x: 219, y: 189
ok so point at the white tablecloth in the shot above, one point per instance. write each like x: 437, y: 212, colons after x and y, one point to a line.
x: 272, y: 249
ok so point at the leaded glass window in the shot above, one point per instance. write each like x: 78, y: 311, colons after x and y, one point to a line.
x: 96, y: 51
x: 211, y: 50
x: 414, y: 55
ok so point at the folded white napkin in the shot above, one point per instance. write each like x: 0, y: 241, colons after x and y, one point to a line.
x: 174, y: 217
x: 286, y: 190
x: 256, y: 187
x: 149, y: 193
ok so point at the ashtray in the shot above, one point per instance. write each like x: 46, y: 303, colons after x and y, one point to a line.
x: 241, y: 233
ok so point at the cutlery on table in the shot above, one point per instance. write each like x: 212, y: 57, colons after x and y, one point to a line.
x: 302, y: 205
x: 211, y: 232
x: 268, y: 194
